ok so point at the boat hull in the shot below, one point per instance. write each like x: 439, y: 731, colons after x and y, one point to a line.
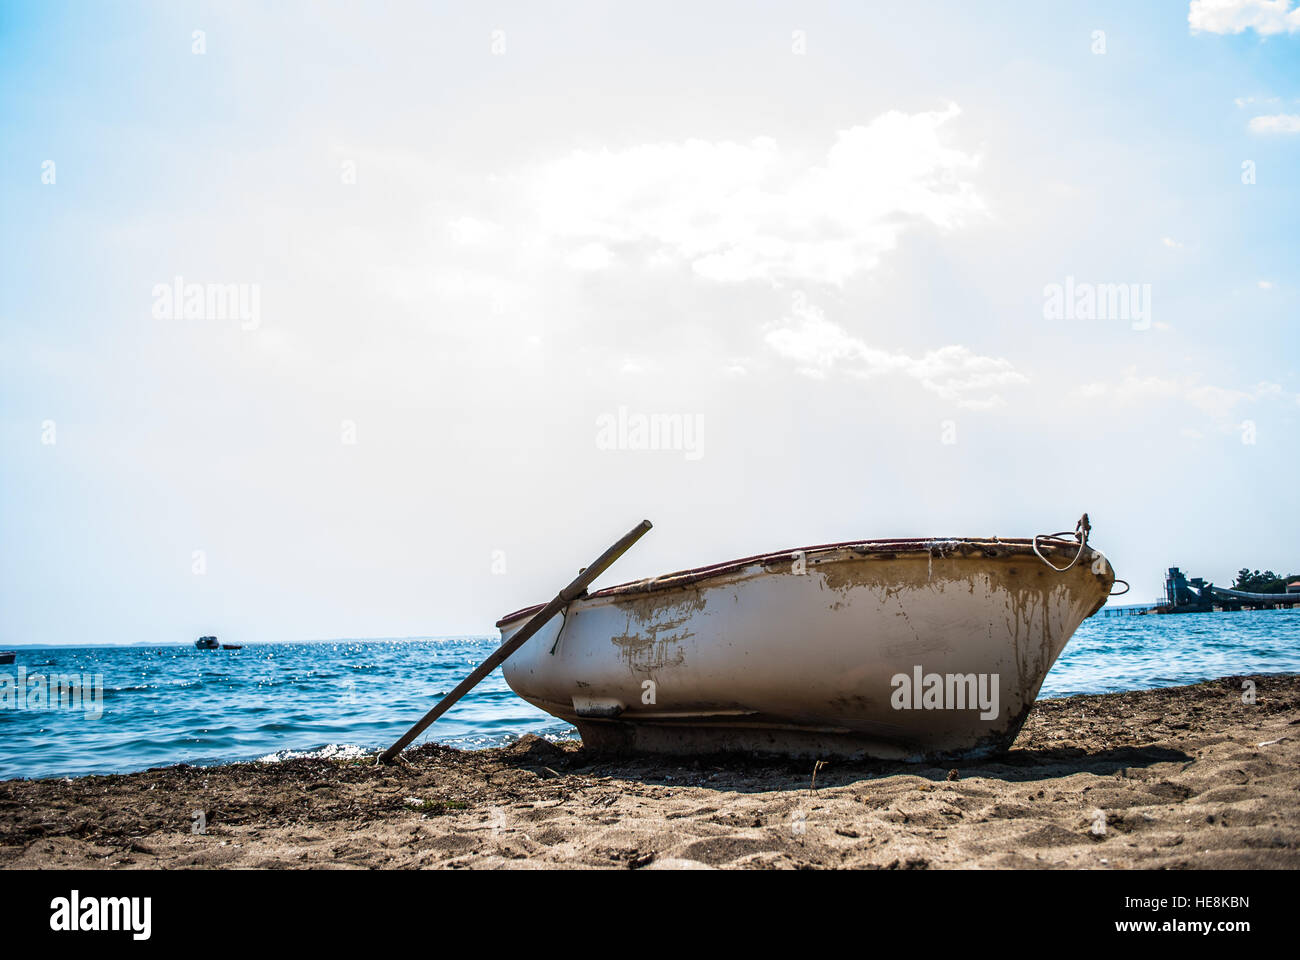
x: 856, y: 651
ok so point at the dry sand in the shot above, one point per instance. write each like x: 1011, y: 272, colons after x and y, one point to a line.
x: 1182, y: 777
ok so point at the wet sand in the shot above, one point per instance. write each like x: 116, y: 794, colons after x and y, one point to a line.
x: 1184, y: 777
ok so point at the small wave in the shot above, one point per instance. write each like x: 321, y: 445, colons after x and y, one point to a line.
x: 331, y: 751
x: 485, y: 741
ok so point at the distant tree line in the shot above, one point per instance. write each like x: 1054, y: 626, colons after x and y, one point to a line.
x: 1266, y: 582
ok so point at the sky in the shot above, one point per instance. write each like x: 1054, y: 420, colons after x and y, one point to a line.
x: 332, y: 320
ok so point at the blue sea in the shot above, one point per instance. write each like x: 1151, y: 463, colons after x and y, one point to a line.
x: 173, y: 704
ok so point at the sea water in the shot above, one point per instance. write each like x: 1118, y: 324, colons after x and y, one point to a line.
x: 177, y: 704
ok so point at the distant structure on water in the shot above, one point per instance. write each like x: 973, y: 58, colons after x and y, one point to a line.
x: 1183, y: 595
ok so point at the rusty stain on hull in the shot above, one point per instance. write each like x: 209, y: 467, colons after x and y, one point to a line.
x: 655, y: 629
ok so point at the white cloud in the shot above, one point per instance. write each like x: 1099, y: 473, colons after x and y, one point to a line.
x: 635, y: 366
x: 1130, y: 390
x: 953, y: 372
x: 1171, y: 243
x: 1219, y: 404
x: 1265, y: 17
x: 1266, y: 284
x: 471, y: 231
x: 754, y: 211
x: 590, y: 256
x: 1276, y: 123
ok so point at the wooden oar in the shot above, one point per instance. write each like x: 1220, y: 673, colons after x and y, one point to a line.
x: 539, y: 620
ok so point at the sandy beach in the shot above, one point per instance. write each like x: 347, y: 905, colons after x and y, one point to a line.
x: 1185, y: 777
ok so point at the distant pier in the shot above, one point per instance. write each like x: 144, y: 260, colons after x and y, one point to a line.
x: 1183, y: 595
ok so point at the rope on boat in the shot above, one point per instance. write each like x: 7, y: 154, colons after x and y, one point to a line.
x: 1081, y: 531
x: 564, y: 620
x: 1122, y: 592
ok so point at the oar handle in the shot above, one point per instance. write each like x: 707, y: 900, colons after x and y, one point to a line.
x: 535, y: 623
x: 588, y: 574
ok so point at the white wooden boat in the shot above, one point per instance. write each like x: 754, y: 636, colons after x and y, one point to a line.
x: 897, y: 649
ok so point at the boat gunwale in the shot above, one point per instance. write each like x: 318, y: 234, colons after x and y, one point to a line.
x: 937, y: 546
